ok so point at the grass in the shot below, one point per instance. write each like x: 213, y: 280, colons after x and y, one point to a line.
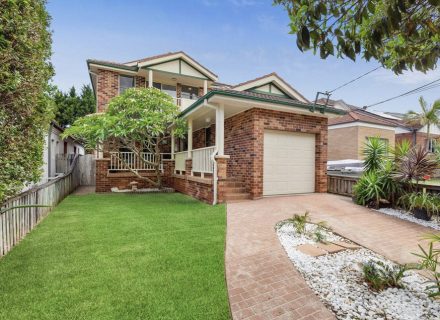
x: 116, y: 256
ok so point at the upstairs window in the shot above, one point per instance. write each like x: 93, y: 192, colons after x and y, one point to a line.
x: 125, y: 82
x: 168, y: 89
x: 190, y: 92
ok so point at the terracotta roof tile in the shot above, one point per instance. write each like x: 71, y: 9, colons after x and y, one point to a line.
x: 362, y: 116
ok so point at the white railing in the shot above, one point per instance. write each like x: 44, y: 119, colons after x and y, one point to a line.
x: 179, y: 158
x: 202, y: 160
x: 183, y: 103
x: 120, y: 160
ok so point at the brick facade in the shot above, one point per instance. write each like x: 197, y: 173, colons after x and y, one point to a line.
x: 244, y: 143
x: 352, y: 147
x: 419, y: 138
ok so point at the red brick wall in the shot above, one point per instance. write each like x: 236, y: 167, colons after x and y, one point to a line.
x: 107, y: 88
x: 105, y: 180
x: 244, y: 138
x: 420, y: 138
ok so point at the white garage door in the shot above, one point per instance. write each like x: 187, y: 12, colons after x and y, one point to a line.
x: 289, y: 163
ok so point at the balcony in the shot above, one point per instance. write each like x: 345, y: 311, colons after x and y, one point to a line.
x: 184, y: 103
x: 123, y: 161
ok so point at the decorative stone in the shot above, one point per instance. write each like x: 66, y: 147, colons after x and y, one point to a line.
x: 310, y: 250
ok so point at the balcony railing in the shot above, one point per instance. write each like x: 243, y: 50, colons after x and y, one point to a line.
x: 179, y: 158
x: 202, y: 160
x: 184, y: 103
x: 121, y: 161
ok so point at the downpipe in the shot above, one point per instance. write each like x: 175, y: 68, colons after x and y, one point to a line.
x: 214, y: 201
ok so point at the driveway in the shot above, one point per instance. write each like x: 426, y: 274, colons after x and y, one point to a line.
x: 262, y: 282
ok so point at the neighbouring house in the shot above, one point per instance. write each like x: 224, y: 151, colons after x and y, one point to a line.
x: 254, y: 139
x: 347, y: 134
x: 58, y: 153
x: 416, y: 135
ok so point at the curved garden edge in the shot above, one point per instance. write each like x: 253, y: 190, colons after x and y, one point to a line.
x: 336, y: 275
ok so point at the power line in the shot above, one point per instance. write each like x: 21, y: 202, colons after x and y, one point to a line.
x: 425, y: 87
x: 355, y: 79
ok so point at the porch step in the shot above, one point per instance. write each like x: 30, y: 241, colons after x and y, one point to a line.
x: 237, y: 196
x: 235, y: 190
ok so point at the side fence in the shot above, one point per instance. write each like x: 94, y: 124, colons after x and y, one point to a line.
x: 341, y: 184
x: 16, y: 223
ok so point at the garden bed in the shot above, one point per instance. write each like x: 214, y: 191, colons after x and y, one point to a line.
x: 404, y: 215
x: 338, y: 280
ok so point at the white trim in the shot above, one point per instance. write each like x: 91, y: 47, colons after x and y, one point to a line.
x: 182, y: 56
x: 190, y: 137
x: 121, y: 71
x: 150, y: 78
x: 220, y: 129
x: 360, y: 124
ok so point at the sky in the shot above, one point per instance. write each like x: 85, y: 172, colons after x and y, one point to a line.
x: 236, y: 39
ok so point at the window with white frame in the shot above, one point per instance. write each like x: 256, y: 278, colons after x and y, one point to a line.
x: 167, y: 88
x: 190, y: 92
x: 125, y: 82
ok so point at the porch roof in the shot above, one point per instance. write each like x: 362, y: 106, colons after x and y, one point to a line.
x: 261, y: 97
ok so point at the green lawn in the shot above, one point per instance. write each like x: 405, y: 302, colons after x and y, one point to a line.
x: 119, y: 256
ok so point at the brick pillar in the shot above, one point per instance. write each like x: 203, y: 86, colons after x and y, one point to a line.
x: 102, y: 166
x: 222, y: 165
x: 168, y: 171
x: 188, y: 167
x: 321, y: 162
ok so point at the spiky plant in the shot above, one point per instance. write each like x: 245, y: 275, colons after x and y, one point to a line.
x: 375, y: 152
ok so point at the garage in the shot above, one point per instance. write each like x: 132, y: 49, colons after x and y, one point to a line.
x: 288, y: 163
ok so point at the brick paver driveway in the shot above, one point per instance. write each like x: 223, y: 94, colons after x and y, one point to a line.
x: 262, y: 282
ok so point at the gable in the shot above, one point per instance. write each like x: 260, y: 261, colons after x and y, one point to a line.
x: 177, y: 66
x: 271, y: 84
x: 270, y: 88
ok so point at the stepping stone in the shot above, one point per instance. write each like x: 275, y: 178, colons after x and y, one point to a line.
x: 310, y: 250
x: 330, y: 247
x: 346, y: 245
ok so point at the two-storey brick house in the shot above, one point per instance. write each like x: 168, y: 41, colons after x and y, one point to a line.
x: 254, y: 139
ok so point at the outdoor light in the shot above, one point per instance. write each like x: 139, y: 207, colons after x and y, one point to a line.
x: 208, y: 120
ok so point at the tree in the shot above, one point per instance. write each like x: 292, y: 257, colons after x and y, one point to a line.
x: 25, y: 107
x: 429, y: 116
x: 71, y: 106
x: 399, y: 34
x: 139, y: 120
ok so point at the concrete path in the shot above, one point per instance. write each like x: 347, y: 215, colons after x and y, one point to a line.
x: 262, y: 281
x: 83, y: 190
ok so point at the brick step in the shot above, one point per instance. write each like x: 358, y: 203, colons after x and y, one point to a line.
x: 234, y: 184
x: 235, y: 189
x: 237, y: 196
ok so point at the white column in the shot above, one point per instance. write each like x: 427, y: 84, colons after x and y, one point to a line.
x: 150, y: 78
x: 205, y: 87
x: 172, y: 143
x: 219, y: 129
x: 190, y: 138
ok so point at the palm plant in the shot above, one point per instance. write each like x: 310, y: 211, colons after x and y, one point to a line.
x: 375, y: 152
x: 429, y: 116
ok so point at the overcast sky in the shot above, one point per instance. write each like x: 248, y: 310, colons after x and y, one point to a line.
x: 237, y: 39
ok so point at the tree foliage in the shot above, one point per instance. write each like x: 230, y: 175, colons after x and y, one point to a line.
x: 140, y: 120
x: 400, y: 34
x: 71, y: 106
x: 25, y: 108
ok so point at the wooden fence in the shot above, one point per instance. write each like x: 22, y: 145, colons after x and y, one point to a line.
x: 16, y: 223
x: 341, y: 184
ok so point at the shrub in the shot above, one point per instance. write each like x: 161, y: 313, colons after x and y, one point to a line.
x: 380, y: 276
x: 369, y: 189
x: 430, y: 262
x: 375, y: 152
x: 299, y: 222
x: 319, y: 234
x: 420, y: 200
